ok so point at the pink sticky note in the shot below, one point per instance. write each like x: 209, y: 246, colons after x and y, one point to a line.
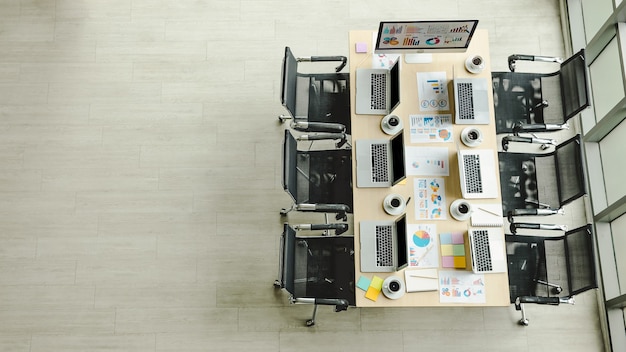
x: 457, y: 238
x: 361, y: 47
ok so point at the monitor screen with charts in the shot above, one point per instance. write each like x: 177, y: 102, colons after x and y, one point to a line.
x: 425, y: 36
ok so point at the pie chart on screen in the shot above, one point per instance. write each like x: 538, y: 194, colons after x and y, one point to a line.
x: 421, y: 238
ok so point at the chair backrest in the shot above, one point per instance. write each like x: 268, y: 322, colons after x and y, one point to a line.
x: 288, y: 258
x: 290, y: 160
x: 567, y: 261
x: 574, y: 85
x: 288, y: 82
x: 569, y: 170
x: 579, y: 254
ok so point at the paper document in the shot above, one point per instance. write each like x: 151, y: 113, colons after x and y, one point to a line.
x: 430, y: 199
x: 460, y: 286
x: 422, y: 246
x: 433, y: 128
x: 427, y: 161
x: 432, y: 91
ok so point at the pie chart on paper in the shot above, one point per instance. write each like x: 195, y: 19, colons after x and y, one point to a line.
x: 421, y: 238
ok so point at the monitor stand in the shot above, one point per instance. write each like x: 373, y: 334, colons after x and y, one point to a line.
x: 418, y: 58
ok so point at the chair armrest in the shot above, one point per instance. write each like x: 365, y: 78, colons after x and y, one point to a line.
x: 343, y: 59
x: 539, y: 127
x: 526, y: 225
x: 338, y: 227
x: 513, y: 58
x: 339, y: 303
x: 318, y: 127
x: 507, y: 139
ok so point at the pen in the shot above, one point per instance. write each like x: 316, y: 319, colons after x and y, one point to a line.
x: 417, y: 262
x: 408, y: 200
x: 490, y: 212
x: 424, y: 276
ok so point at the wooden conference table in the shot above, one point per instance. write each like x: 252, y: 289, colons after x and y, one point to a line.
x: 368, y: 201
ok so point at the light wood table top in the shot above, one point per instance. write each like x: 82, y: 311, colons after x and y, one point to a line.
x: 368, y: 201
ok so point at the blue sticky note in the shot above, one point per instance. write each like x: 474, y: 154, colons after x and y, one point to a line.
x: 363, y: 283
x: 445, y: 238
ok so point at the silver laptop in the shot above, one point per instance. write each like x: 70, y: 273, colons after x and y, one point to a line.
x: 383, y: 245
x: 377, y: 90
x: 477, y: 173
x: 487, y: 250
x: 380, y: 162
x: 471, y: 101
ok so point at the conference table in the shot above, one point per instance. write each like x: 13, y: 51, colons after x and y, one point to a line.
x: 368, y: 202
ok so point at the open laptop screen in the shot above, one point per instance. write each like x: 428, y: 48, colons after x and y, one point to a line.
x: 394, y: 91
x: 402, y: 252
x: 397, y: 153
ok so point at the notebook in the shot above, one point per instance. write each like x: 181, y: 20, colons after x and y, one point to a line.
x: 380, y: 163
x: 421, y: 280
x: 477, y: 171
x: 487, y: 215
x: 377, y: 90
x: 487, y: 250
x: 383, y: 245
x: 471, y: 101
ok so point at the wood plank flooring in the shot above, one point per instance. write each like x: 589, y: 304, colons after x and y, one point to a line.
x: 140, y: 179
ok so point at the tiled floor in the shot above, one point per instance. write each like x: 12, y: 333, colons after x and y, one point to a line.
x: 140, y: 179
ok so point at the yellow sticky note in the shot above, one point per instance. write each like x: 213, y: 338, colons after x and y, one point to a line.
x: 372, y: 293
x: 459, y: 262
x: 377, y: 283
x: 447, y: 250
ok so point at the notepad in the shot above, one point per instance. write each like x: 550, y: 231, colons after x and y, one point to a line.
x: 421, y: 280
x: 487, y: 215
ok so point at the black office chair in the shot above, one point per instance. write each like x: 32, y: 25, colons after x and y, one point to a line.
x: 541, y: 184
x: 317, y: 102
x: 317, y: 270
x: 550, y: 270
x: 539, y: 102
x: 317, y: 180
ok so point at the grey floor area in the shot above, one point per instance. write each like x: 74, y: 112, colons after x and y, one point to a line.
x: 140, y: 179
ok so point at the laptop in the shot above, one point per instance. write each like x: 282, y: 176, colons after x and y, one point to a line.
x: 477, y: 173
x: 380, y: 162
x: 471, y: 101
x: 377, y: 90
x: 383, y: 245
x: 487, y: 250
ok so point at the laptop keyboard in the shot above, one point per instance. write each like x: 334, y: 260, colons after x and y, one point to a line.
x: 384, y: 244
x: 380, y: 168
x: 482, y: 255
x: 473, y: 181
x: 379, y: 91
x: 465, y: 101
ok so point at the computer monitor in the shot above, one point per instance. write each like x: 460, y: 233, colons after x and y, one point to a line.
x: 417, y: 37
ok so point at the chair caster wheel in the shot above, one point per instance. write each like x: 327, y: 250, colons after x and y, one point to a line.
x: 523, y: 322
x: 277, y: 284
x: 557, y: 290
x: 310, y: 323
x: 283, y: 212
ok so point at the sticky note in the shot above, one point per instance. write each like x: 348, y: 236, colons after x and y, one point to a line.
x: 457, y: 238
x: 458, y: 250
x: 363, y: 283
x: 447, y: 249
x: 361, y: 47
x: 377, y: 283
x: 447, y: 262
x: 445, y: 238
x: 459, y: 262
x: 372, y: 294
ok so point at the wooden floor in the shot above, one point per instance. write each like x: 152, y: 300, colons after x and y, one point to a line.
x: 140, y: 179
